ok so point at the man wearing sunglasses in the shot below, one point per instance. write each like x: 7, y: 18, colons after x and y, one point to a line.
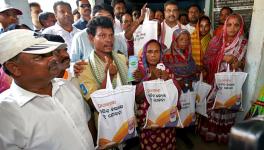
x: 84, y: 8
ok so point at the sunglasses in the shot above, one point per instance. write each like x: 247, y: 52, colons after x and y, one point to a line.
x: 85, y: 5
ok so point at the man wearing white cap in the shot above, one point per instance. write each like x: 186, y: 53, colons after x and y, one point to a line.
x: 8, y: 16
x: 39, y: 112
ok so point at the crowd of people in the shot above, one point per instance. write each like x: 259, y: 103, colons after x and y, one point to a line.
x: 40, y: 110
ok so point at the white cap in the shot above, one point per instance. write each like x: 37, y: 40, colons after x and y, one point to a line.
x: 5, y: 7
x: 21, y: 40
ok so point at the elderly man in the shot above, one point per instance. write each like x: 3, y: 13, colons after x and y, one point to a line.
x: 39, y: 112
x: 84, y: 8
x: 63, y: 27
x: 8, y: 16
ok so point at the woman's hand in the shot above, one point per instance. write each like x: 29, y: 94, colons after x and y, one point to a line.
x: 79, y: 67
x: 138, y: 76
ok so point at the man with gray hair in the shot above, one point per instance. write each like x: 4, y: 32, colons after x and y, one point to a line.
x: 39, y: 112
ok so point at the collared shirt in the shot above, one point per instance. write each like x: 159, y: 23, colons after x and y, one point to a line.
x: 41, y: 122
x: 82, y: 47
x: 168, y: 33
x: 58, y: 30
x: 80, y: 24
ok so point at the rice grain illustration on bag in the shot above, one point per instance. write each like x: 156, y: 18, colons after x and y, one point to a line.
x: 162, y: 97
x: 116, y: 121
x: 229, y: 89
x: 187, y: 112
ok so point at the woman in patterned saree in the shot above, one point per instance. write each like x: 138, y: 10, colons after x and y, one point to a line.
x: 158, y: 138
x: 229, y: 48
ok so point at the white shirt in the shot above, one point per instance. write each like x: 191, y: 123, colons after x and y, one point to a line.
x: 58, y: 30
x: 117, y: 26
x: 82, y: 47
x: 190, y: 28
x: 39, y: 122
x: 168, y: 33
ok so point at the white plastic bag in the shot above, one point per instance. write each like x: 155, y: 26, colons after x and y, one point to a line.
x: 162, y: 97
x: 187, y: 111
x: 116, y: 122
x: 145, y: 32
x: 202, y: 90
x: 229, y: 89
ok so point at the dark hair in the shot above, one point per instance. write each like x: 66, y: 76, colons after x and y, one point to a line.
x: 114, y: 2
x: 105, y: 7
x: 34, y: 4
x: 170, y: 2
x: 44, y: 16
x: 53, y: 38
x: 100, y: 21
x: 228, y: 8
x: 194, y: 5
x: 60, y: 3
x: 75, y: 11
x: 205, y: 18
x: 77, y: 3
x: 183, y: 14
x: 18, y: 26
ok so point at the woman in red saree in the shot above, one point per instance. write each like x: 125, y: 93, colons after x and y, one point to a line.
x: 228, y: 48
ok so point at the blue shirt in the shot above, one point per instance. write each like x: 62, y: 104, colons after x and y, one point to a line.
x: 82, y: 47
x: 80, y: 24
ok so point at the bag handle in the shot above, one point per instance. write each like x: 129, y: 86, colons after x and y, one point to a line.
x: 228, y: 68
x: 108, y: 81
x: 201, y: 77
x: 147, y: 15
x: 118, y: 80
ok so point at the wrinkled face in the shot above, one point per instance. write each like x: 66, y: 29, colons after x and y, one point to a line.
x: 184, y: 20
x: 171, y: 13
x: 204, y: 27
x: 159, y: 15
x: 153, y: 53
x: 193, y: 15
x: 33, y: 67
x: 51, y: 20
x: 119, y: 10
x: 84, y: 8
x: 183, y: 41
x: 223, y: 15
x: 103, y: 41
x: 232, y: 26
x: 126, y: 21
x: 63, y: 58
x: 8, y: 17
x: 64, y: 15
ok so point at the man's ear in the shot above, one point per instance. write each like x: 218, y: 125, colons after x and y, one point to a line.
x: 13, y: 68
